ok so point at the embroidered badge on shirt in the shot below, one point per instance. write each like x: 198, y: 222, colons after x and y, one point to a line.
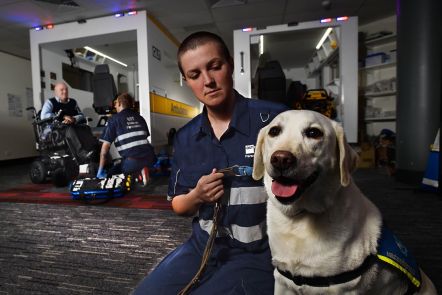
x: 250, y: 151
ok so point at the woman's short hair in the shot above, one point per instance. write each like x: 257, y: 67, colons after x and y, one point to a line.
x: 200, y: 38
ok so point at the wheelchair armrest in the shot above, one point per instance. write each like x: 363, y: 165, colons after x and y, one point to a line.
x: 44, y: 121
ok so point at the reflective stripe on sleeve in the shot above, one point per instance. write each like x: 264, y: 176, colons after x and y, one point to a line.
x: 247, y: 195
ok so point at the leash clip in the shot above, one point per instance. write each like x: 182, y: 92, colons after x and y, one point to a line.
x: 237, y: 170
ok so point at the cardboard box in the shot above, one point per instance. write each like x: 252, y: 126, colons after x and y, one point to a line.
x: 366, y: 155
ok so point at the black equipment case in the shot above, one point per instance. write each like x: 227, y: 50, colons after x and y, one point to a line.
x: 115, y: 186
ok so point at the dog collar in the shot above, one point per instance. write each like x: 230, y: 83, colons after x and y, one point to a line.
x: 330, y: 280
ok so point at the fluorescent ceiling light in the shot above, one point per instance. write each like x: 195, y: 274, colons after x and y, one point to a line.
x: 261, y: 44
x: 105, y: 56
x: 327, y: 32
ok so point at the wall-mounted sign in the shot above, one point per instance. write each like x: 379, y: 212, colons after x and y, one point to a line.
x: 166, y: 106
x: 156, y: 53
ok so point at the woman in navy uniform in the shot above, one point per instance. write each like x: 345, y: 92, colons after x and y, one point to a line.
x: 129, y: 131
x: 223, y: 135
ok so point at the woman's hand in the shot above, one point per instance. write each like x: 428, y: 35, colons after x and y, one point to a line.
x: 210, y: 187
x: 208, y: 190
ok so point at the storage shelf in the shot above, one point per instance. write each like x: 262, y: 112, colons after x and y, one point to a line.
x: 379, y: 94
x: 379, y: 119
x: 379, y: 66
x: 328, y: 60
x: 381, y: 40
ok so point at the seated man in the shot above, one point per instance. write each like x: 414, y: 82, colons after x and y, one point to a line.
x: 77, y: 136
x: 61, y: 102
x: 129, y: 131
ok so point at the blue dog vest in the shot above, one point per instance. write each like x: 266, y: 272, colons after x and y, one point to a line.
x: 390, y: 251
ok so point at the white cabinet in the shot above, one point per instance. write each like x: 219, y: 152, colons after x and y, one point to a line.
x: 377, y: 81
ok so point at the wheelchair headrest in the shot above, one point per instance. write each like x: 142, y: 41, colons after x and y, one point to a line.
x: 101, y: 69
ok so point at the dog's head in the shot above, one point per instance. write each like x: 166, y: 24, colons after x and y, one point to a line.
x: 304, y: 159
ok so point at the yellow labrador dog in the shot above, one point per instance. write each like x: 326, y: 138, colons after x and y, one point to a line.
x: 325, y: 236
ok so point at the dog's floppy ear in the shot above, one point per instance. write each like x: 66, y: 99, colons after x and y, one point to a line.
x: 258, y: 163
x: 347, y: 156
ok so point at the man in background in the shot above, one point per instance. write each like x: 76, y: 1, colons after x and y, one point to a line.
x: 129, y: 131
x: 77, y: 134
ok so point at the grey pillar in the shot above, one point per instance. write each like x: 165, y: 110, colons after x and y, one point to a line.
x: 418, y: 83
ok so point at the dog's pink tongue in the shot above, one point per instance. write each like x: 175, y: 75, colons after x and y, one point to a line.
x: 282, y: 190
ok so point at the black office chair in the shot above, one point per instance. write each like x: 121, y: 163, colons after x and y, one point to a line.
x: 105, y: 90
x: 271, y: 82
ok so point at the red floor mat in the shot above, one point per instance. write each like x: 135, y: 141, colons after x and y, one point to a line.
x: 47, y: 194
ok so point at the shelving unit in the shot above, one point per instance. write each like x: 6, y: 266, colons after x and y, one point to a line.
x: 326, y: 55
x: 378, y: 86
x: 334, y: 55
x: 379, y: 66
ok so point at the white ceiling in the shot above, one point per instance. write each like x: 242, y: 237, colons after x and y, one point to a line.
x: 182, y: 17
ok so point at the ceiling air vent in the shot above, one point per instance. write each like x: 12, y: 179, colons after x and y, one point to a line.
x: 225, y: 3
x: 60, y: 2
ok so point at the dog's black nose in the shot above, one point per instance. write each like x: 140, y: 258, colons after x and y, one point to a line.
x: 283, y: 160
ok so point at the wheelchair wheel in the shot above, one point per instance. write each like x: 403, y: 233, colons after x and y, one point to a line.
x: 59, y: 177
x: 38, y: 172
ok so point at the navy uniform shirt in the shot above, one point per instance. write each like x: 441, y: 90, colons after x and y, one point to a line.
x: 130, y: 132
x: 198, y: 151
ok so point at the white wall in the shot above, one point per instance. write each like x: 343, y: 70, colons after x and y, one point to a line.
x: 16, y: 133
x: 52, y: 62
x: 164, y: 78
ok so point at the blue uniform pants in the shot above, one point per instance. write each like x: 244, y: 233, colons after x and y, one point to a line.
x: 229, y: 272
x: 129, y: 166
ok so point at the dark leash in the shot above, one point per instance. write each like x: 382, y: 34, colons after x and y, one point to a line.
x: 207, y: 251
x: 235, y: 170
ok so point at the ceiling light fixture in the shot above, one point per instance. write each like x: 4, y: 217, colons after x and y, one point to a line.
x: 326, y: 20
x: 133, y: 12
x: 327, y: 32
x: 105, y: 56
x: 261, y: 44
x: 120, y: 14
x: 39, y: 28
x: 342, y: 18
x: 247, y: 29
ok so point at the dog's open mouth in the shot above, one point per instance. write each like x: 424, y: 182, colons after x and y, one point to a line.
x: 288, y: 190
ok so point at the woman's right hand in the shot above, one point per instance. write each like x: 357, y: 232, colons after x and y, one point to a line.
x: 210, y: 187
x: 208, y: 190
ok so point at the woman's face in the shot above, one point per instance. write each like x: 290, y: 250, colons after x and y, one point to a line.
x: 209, y: 74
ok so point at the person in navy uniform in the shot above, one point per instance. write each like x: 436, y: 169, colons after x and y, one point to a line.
x: 129, y: 131
x: 223, y: 135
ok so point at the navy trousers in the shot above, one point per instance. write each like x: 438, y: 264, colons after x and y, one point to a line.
x: 229, y: 272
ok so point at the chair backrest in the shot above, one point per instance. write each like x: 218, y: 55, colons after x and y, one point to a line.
x: 271, y: 82
x: 105, y: 90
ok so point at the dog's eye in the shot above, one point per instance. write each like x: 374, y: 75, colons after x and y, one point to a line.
x: 274, y: 131
x: 314, y: 133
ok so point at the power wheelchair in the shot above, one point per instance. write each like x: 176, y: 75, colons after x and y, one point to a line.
x: 59, y: 158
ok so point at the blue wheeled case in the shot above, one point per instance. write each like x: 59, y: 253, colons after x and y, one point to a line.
x: 89, y: 189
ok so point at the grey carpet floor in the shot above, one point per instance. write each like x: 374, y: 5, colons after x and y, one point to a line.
x: 56, y: 249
